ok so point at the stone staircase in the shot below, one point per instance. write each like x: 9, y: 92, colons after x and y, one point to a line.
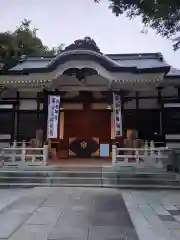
x: 124, y: 177
x: 32, y: 177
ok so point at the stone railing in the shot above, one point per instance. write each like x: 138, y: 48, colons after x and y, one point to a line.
x: 149, y: 156
x: 16, y: 156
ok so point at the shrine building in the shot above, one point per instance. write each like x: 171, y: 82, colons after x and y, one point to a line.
x: 69, y: 100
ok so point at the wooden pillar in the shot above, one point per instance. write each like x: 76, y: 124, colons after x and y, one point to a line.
x: 122, y: 105
x: 160, y: 106
x: 137, y: 110
x: 61, y: 125
x: 16, y: 117
x: 110, y: 102
x: 86, y: 98
x: 178, y: 93
x: 45, y: 113
x: 122, y: 116
x: 38, y: 108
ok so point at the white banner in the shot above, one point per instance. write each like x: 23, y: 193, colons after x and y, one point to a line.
x: 53, y: 116
x: 117, y: 114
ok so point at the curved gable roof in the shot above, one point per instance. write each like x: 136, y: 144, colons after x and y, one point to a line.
x: 114, y: 63
x: 39, y: 65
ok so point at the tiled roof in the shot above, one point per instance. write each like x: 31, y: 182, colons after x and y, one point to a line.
x: 144, y: 60
x: 173, y: 72
x: 33, y: 62
x: 139, y: 60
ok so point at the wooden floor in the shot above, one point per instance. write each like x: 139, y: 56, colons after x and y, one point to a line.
x: 80, y: 162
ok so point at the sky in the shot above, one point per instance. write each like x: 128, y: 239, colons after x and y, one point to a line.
x: 63, y: 21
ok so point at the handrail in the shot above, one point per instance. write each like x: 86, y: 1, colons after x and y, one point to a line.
x: 23, y: 148
x: 143, y: 149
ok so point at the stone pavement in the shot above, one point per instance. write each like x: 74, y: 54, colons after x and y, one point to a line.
x: 88, y: 214
x: 155, y: 214
x: 64, y: 214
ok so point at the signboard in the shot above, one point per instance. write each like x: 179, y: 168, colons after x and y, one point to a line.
x: 53, y: 116
x: 104, y: 150
x: 117, y: 114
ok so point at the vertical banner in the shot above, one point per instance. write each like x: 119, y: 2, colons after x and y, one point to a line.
x: 117, y: 114
x: 53, y: 116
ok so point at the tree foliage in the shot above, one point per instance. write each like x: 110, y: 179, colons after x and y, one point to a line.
x: 161, y: 15
x: 22, y: 42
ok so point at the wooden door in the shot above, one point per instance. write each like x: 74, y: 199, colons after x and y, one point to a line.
x: 87, y: 124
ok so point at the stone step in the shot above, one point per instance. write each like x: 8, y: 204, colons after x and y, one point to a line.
x: 51, y: 180
x: 52, y: 168
x: 19, y: 173
x: 146, y: 175
x: 135, y: 181
x: 143, y: 186
x: 87, y: 180
x: 98, y: 178
x: 31, y: 185
x: 56, y: 172
x: 119, y: 186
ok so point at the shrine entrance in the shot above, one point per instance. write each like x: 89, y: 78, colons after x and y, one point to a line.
x: 85, y: 130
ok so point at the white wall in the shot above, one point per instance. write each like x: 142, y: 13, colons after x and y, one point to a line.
x: 131, y: 94
x: 10, y: 93
x: 130, y: 104
x: 170, y: 92
x: 167, y: 91
x: 148, y: 104
x: 152, y: 93
x: 100, y: 106
x: 26, y: 94
x: 6, y: 106
x: 72, y: 106
x: 28, y: 105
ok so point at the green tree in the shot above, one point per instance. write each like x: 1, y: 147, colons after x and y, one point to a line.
x: 9, y: 52
x: 54, y: 50
x: 161, y: 15
x: 27, y: 40
x: 22, y: 42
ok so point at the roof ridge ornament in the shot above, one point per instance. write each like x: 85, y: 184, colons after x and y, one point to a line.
x: 86, y: 43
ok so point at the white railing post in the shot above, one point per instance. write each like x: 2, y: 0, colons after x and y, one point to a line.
x: 24, y: 144
x: 114, y: 153
x: 23, y: 151
x: 2, y: 161
x: 146, y: 149
x: 159, y: 158
x: 14, y: 145
x: 159, y: 153
x: 152, y: 147
x: 33, y: 158
x: 137, y: 156
x: 45, y: 154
